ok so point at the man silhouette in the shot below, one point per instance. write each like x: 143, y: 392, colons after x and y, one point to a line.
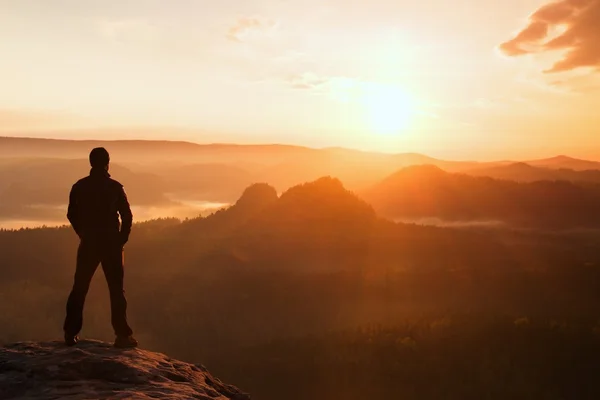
x: 95, y: 203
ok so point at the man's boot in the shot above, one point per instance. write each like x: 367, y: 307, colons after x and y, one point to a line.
x: 126, y: 342
x: 71, y: 340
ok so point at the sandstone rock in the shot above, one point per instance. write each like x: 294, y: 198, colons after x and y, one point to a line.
x: 96, y: 370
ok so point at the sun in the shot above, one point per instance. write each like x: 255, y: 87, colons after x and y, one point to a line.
x: 388, y: 109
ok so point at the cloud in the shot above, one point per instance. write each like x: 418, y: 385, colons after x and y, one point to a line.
x: 535, y: 31
x: 571, y: 26
x: 338, y: 88
x: 245, y: 26
x: 307, y: 80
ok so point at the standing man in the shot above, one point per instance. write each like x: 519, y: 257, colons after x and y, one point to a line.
x: 95, y: 204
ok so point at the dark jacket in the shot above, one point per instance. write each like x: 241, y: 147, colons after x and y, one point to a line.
x: 95, y: 203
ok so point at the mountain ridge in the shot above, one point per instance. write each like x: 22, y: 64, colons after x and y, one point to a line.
x: 428, y: 191
x: 523, y: 172
x: 4, y: 140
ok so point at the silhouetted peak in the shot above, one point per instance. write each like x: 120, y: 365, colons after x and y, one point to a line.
x: 419, y: 173
x: 95, y: 370
x: 326, y: 187
x: 325, y: 196
x: 257, y: 195
x: 562, y: 158
x: 521, y: 166
x: 567, y: 162
x: 415, y: 159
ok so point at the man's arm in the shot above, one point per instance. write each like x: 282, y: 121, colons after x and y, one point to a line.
x: 73, y: 211
x: 126, y: 215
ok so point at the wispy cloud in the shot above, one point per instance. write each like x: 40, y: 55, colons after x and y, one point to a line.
x: 338, y: 88
x: 307, y: 80
x: 571, y: 26
x: 246, y: 26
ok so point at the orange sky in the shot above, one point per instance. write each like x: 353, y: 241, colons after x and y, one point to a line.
x: 462, y: 79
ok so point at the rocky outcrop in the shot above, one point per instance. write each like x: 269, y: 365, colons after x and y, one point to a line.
x: 257, y: 197
x: 96, y: 370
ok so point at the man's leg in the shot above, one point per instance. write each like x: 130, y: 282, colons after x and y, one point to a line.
x: 112, y: 264
x: 87, y: 262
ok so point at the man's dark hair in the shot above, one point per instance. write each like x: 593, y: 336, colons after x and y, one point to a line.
x: 99, y: 157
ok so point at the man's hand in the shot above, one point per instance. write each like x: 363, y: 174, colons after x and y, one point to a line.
x: 123, y: 239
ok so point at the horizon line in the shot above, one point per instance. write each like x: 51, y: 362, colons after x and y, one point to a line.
x: 283, y: 145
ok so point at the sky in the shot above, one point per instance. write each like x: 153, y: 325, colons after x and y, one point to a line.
x: 493, y: 79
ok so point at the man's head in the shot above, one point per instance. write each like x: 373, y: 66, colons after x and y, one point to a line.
x: 99, y: 158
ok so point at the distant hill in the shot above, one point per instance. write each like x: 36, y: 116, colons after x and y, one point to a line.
x: 311, y: 220
x: 180, y: 152
x: 427, y: 191
x: 514, y: 172
x: 566, y: 162
x: 223, y: 170
x: 146, y: 151
x: 522, y: 172
x: 36, y: 173
x: 319, y: 205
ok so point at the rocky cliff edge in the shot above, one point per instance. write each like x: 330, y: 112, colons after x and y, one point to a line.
x: 96, y: 370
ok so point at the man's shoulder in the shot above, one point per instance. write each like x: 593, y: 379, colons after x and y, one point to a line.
x: 115, y: 183
x: 82, y: 181
x: 88, y: 180
x: 116, y: 186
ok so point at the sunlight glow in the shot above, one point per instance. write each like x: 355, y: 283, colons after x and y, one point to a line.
x: 386, y: 109
x: 389, y: 108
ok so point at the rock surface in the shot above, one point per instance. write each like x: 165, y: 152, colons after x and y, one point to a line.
x: 96, y: 370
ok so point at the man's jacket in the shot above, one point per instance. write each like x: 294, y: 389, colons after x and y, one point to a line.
x: 95, y: 204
